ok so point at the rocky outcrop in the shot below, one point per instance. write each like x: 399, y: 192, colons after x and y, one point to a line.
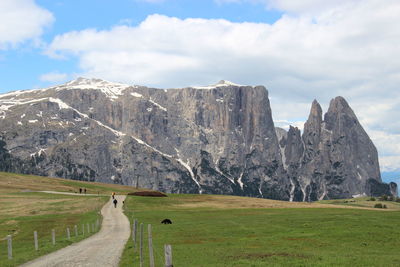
x: 216, y: 139
x: 334, y: 158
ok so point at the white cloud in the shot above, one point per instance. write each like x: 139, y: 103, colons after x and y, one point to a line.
x: 21, y: 20
x: 390, y: 163
x: 54, y: 77
x: 286, y: 124
x: 303, y: 7
x: 298, y: 7
x: 349, y: 49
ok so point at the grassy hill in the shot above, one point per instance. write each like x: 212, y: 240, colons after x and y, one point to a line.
x: 207, y: 230
x: 23, y: 210
x: 11, y: 182
x: 238, y: 231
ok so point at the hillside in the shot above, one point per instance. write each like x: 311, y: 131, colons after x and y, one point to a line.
x: 207, y: 230
x: 23, y: 210
x: 22, y: 183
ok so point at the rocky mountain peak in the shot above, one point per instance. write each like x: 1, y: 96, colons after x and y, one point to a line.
x: 341, y: 116
x: 339, y: 106
x: 92, y: 83
x: 220, y: 141
x: 227, y: 83
x: 316, y: 110
x: 312, y: 130
x: 222, y: 83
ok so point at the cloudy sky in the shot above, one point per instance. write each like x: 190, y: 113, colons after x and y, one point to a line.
x: 300, y: 50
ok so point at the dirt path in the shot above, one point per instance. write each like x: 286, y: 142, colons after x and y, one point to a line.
x: 102, y: 249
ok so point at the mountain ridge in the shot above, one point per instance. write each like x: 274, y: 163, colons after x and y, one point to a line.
x: 189, y: 140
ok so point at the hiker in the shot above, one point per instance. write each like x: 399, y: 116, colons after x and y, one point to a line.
x: 80, y: 190
x: 85, y: 190
x: 115, y: 203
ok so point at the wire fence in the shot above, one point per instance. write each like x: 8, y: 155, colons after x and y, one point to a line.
x: 161, y: 256
x: 19, y: 247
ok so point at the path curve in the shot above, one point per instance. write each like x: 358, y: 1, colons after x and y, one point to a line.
x: 102, y: 249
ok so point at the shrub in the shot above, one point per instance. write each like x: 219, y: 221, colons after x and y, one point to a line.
x: 372, y: 199
x: 378, y: 206
x: 384, y: 206
x: 398, y: 199
x: 147, y: 194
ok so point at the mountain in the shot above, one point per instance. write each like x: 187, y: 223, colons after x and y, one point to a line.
x: 217, y: 139
x: 334, y: 157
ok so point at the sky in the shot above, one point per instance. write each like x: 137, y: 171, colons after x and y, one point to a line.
x: 300, y: 50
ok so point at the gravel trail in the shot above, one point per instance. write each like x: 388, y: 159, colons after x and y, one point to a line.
x: 102, y: 249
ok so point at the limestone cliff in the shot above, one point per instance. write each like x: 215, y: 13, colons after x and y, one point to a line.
x: 216, y: 139
x: 334, y: 157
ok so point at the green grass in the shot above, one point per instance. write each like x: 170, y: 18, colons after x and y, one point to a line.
x: 212, y: 236
x: 55, y: 212
x: 23, y: 211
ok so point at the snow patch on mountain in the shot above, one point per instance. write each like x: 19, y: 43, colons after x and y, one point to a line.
x: 110, y: 89
x: 221, y: 83
x: 158, y: 105
x: 136, y: 95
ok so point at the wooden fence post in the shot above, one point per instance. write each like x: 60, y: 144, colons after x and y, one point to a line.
x: 35, y: 238
x: 93, y: 228
x: 76, y: 230
x: 83, y: 229
x: 151, y: 256
x: 141, y: 244
x: 134, y: 233
x: 53, y: 236
x: 168, y: 255
x: 135, y: 229
x: 68, y: 234
x: 88, y: 228
x: 9, y: 245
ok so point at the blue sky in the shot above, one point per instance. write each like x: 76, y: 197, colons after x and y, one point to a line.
x: 300, y: 50
x: 75, y: 15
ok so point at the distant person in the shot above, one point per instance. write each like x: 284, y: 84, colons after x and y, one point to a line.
x: 85, y: 190
x: 80, y: 190
x: 115, y: 203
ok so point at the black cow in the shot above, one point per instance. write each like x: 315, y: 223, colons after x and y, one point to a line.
x: 166, y: 221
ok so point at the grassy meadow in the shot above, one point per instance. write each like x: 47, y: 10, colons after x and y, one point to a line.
x: 207, y: 230
x: 24, y: 210
x: 237, y: 231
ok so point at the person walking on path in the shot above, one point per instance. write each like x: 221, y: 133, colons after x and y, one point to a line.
x: 115, y: 202
x: 85, y: 191
x: 80, y: 190
x: 113, y: 195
